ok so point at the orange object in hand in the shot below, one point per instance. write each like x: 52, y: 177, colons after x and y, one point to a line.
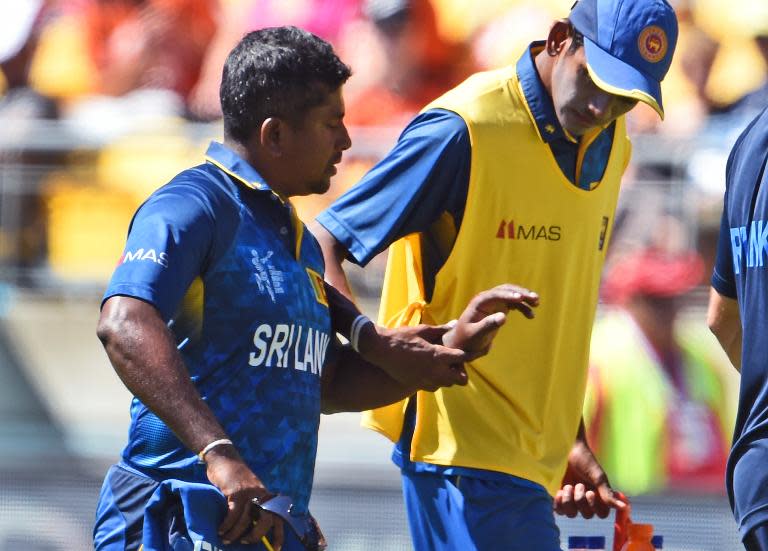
x: 621, y: 525
x: 639, y: 538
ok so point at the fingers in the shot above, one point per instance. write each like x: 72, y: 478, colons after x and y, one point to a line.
x: 259, y: 528
x: 278, y: 534
x: 576, y: 499
x: 237, y: 520
x: 564, y: 503
x: 447, y: 355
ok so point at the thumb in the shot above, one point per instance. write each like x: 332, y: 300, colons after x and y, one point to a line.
x: 489, y: 324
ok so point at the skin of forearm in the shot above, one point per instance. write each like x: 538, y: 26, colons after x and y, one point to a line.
x: 142, y: 352
x: 334, y: 254
x: 352, y: 384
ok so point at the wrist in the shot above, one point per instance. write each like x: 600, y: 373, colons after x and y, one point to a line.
x: 219, y: 447
x: 364, y: 337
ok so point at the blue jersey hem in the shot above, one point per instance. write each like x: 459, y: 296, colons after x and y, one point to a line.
x: 336, y: 227
x: 723, y: 286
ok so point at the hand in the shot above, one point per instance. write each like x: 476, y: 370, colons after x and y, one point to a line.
x: 586, y: 489
x: 485, y: 314
x: 228, y: 472
x: 413, y: 357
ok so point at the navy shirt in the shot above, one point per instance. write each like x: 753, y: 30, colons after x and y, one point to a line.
x: 239, y: 282
x: 741, y: 272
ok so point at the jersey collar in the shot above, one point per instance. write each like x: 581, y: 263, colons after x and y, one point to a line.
x: 537, y: 98
x: 230, y: 162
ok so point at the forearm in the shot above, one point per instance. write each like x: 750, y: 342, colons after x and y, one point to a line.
x: 352, y: 384
x: 142, y: 352
x: 334, y: 254
x: 724, y: 320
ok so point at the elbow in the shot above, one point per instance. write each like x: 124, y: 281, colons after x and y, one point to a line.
x: 106, y: 330
x: 329, y: 406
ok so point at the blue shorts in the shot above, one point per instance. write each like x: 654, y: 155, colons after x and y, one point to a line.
x: 461, y: 513
x: 120, y: 517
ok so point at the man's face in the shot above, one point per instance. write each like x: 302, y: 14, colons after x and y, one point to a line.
x: 579, y: 104
x: 314, y: 146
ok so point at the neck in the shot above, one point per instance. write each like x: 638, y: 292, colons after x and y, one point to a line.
x: 256, y: 158
x: 544, y: 63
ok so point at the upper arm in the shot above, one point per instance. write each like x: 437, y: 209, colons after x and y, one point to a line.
x: 167, y: 247
x: 426, y: 174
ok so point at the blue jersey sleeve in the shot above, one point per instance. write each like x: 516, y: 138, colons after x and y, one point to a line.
x: 723, y: 275
x: 167, y: 248
x: 425, y: 175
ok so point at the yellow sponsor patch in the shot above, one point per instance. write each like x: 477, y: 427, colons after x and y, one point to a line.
x: 319, y: 286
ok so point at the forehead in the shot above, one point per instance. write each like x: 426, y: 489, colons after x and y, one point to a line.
x: 332, y: 106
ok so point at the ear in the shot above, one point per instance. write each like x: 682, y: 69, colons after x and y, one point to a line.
x: 271, y: 136
x: 558, y: 36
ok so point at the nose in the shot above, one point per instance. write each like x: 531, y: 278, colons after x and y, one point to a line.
x: 600, y: 104
x: 345, y: 142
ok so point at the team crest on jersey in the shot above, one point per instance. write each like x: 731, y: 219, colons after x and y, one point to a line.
x: 319, y: 286
x: 653, y: 44
x: 269, y: 279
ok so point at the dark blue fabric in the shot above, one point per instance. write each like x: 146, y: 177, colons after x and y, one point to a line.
x: 757, y: 539
x: 742, y: 264
x: 425, y: 175
x: 447, y: 513
x: 252, y: 331
x: 120, y: 510
x: 183, y: 516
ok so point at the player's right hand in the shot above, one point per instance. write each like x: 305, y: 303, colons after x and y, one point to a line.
x: 228, y: 472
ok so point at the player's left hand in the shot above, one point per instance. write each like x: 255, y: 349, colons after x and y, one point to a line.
x: 585, y: 489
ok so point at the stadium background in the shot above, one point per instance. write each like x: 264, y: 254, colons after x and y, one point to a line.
x: 105, y: 116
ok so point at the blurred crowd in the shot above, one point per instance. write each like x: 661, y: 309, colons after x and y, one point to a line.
x: 124, y: 78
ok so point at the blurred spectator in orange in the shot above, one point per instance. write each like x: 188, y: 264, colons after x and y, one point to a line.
x: 656, y: 407
x: 416, y: 64
x: 20, y: 25
x: 327, y: 19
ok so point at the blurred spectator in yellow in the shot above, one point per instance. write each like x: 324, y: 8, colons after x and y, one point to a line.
x: 20, y: 24
x: 656, y: 407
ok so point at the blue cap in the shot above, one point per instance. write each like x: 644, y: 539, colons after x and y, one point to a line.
x: 628, y: 45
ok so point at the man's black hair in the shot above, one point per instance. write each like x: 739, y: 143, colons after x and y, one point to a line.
x: 276, y: 72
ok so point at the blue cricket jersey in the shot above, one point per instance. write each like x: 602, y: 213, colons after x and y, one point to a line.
x: 422, y: 185
x: 741, y: 272
x: 239, y: 281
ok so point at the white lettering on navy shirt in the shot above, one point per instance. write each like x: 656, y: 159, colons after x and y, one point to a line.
x: 268, y: 278
x: 752, y: 244
x: 294, y: 345
x: 148, y: 254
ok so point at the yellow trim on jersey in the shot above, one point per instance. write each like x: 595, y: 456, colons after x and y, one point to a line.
x: 520, y: 411
x: 253, y: 185
x: 632, y: 94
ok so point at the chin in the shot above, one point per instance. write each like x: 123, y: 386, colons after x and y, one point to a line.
x: 319, y: 187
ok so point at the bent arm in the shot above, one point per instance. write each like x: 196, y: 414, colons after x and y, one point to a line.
x: 144, y: 355
x: 724, y: 321
x: 352, y: 384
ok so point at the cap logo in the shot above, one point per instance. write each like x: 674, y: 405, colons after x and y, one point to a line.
x: 653, y: 44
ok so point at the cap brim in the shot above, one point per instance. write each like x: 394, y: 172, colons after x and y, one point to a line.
x: 616, y: 77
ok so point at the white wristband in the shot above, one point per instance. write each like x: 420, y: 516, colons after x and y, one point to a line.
x: 209, y: 447
x: 354, y: 332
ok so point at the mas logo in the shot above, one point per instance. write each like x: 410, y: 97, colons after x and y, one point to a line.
x: 269, y: 279
x: 142, y: 254
x: 653, y: 44
x: 318, y: 284
x: 513, y: 230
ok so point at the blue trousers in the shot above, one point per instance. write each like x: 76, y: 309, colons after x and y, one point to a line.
x: 453, y: 513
